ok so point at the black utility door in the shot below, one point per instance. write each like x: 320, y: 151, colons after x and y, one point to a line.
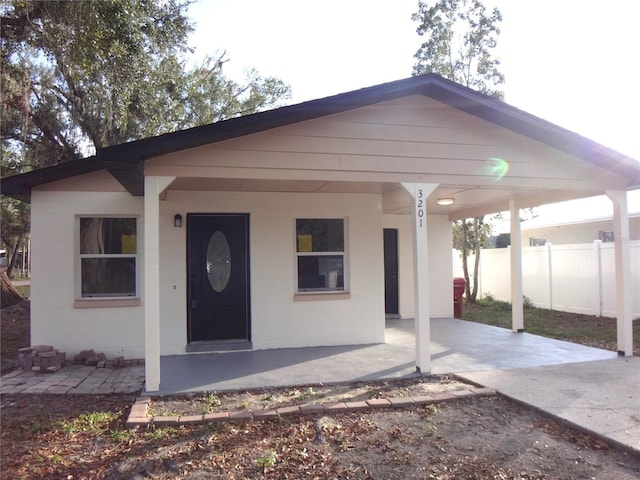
x: 391, y: 272
x: 218, y: 263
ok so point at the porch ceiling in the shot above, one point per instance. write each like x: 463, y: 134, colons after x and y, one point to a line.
x: 468, y: 201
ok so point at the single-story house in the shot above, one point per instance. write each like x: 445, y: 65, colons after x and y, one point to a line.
x: 584, y: 230
x: 301, y: 226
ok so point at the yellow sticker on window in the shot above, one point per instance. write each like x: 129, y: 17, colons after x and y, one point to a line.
x: 129, y: 244
x: 305, y: 243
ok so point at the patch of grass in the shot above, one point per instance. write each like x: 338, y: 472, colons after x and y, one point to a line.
x: 301, y: 394
x: 122, y: 435
x: 588, y: 330
x: 94, y: 423
x: 36, y: 427
x: 161, y: 433
x: 268, y: 460
x: 211, y: 403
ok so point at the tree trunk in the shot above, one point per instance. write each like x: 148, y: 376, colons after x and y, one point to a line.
x: 476, y: 264
x: 14, y: 256
x: 10, y: 296
x: 464, y: 255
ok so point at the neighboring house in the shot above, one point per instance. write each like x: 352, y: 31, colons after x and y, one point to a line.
x: 578, y: 231
x: 293, y: 227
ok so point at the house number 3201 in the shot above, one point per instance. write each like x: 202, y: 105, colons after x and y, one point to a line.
x: 420, y: 207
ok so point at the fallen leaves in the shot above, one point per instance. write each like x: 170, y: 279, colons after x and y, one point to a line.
x: 83, y: 437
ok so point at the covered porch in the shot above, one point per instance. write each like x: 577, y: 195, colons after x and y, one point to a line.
x: 417, y: 154
x: 411, y: 155
x: 456, y: 346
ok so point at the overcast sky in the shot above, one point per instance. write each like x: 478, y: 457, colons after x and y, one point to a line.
x: 571, y: 62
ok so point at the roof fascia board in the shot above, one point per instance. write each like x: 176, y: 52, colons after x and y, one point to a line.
x: 126, y: 161
x: 19, y: 186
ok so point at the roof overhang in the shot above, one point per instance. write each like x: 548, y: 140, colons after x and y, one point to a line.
x: 126, y: 161
x: 19, y: 186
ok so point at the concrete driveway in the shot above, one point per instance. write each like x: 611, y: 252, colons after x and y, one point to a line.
x: 601, y: 396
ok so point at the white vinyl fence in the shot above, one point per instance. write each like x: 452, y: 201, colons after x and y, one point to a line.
x: 576, y: 278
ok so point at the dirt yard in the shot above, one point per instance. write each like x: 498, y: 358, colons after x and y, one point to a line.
x: 83, y: 437
x: 14, y: 326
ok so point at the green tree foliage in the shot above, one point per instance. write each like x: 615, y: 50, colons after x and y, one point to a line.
x: 15, y: 229
x: 460, y: 36
x: 87, y: 74
x: 78, y: 76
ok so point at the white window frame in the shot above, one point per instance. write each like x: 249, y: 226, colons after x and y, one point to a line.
x: 107, y: 300
x: 344, y: 254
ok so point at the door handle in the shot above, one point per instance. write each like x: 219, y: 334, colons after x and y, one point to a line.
x: 194, y: 304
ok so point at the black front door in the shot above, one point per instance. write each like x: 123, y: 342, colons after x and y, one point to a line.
x: 391, y: 272
x: 218, y: 272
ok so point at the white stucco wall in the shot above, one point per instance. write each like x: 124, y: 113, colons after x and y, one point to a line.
x: 440, y: 265
x: 54, y: 320
x: 277, y: 319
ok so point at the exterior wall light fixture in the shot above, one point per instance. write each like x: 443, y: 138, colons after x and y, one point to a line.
x: 445, y: 201
x: 177, y: 221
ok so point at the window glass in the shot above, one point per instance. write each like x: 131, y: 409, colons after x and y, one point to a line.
x: 108, y: 257
x: 320, y: 254
x: 606, y: 236
x: 322, y: 272
x: 108, y: 277
x: 107, y: 235
x: 320, y: 235
x: 218, y: 262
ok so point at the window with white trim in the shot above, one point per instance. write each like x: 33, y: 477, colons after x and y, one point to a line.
x: 606, y: 236
x: 108, y: 249
x: 537, y: 241
x: 320, y: 254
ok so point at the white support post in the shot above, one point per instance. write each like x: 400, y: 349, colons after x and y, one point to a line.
x: 153, y: 187
x: 517, y: 308
x: 420, y: 192
x: 624, y: 324
x: 550, y: 273
x: 598, y: 296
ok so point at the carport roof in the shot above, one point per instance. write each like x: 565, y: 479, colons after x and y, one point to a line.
x: 126, y: 161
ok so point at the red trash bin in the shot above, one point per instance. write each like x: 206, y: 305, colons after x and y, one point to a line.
x: 459, y: 285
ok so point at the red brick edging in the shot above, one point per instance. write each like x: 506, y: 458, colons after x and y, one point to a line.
x: 138, y: 417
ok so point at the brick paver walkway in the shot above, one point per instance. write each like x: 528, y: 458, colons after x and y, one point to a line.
x: 139, y: 415
x: 75, y: 379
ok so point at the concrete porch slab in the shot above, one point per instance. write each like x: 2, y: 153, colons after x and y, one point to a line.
x: 457, y: 346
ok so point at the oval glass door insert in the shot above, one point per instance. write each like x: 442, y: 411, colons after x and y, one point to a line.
x: 218, y: 261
